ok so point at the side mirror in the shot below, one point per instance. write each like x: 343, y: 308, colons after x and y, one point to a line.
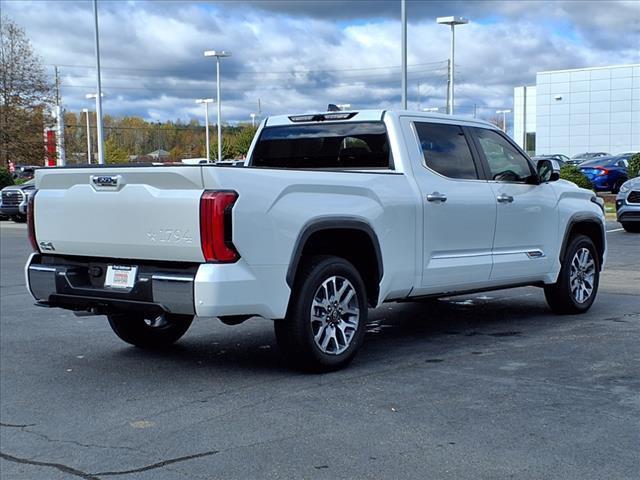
x: 548, y: 170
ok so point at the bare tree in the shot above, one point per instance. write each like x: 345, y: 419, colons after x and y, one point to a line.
x: 497, y: 121
x: 25, y: 93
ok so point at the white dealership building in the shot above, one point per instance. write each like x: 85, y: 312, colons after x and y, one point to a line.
x: 581, y: 110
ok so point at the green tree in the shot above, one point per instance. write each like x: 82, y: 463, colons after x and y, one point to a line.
x: 573, y: 174
x: 25, y: 91
x: 243, y: 139
x: 228, y: 147
x: 6, y: 178
x: 113, y: 153
x: 634, y: 166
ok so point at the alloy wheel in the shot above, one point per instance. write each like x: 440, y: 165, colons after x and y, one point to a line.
x: 582, y: 275
x: 334, y: 315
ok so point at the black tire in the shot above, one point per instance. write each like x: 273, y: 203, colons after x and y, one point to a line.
x: 19, y: 218
x: 559, y: 296
x: 295, y: 334
x: 139, y: 330
x: 631, y: 227
x: 616, y: 186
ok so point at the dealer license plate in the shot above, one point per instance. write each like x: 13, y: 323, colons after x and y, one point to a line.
x: 120, y: 276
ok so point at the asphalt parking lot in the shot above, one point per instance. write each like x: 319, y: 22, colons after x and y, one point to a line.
x: 483, y: 386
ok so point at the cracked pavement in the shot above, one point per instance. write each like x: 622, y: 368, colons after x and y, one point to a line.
x: 486, y: 386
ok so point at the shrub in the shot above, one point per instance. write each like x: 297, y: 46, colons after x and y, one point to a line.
x: 634, y: 166
x: 573, y: 174
x: 5, y: 177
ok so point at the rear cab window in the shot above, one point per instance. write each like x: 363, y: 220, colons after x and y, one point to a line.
x: 446, y: 151
x: 347, y: 145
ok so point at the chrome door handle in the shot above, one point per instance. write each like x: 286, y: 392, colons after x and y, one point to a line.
x: 436, y: 197
x: 504, y: 198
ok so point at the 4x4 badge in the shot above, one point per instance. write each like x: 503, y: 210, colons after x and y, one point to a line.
x: 47, y: 247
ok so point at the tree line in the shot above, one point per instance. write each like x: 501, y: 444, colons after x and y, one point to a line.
x: 133, y: 139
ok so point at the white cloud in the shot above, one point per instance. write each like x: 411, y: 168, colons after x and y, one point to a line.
x: 299, y: 57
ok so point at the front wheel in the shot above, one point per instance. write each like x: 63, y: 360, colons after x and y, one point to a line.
x: 148, y: 331
x: 326, y: 319
x: 577, y: 285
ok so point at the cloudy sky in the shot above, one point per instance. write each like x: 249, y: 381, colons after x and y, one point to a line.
x: 298, y: 56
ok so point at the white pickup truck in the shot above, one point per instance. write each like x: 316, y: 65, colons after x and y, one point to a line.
x: 334, y: 213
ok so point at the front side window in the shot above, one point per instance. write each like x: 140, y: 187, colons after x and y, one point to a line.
x: 445, y: 150
x: 506, y: 164
x: 354, y: 145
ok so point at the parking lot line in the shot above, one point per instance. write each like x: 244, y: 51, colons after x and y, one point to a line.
x: 615, y: 230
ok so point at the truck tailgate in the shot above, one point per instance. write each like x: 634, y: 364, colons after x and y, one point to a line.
x: 147, y: 213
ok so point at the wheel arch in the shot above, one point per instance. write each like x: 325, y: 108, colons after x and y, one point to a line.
x: 319, y: 237
x: 589, y: 225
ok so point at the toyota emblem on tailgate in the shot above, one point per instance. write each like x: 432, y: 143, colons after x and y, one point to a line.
x: 105, y: 180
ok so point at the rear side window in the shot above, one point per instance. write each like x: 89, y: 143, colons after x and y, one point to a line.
x: 324, y: 146
x: 446, y: 151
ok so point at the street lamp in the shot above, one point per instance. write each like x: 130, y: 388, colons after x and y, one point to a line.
x: 504, y: 119
x: 452, y: 21
x: 99, y: 88
x: 403, y: 53
x: 206, y: 102
x: 218, y: 54
x: 91, y: 96
x: 253, y: 119
x: 86, y: 112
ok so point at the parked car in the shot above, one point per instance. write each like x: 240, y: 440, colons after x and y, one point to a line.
x: 559, y: 158
x: 14, y: 200
x: 333, y: 214
x: 628, y: 205
x: 583, y: 157
x: 606, y: 173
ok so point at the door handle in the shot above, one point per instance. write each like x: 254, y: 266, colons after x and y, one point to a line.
x: 436, y: 197
x: 504, y: 198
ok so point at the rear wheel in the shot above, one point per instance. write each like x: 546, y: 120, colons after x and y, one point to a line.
x: 325, y: 322
x: 149, y: 331
x: 631, y: 227
x: 577, y: 285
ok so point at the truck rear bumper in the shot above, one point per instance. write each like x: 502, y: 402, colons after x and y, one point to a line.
x: 211, y: 290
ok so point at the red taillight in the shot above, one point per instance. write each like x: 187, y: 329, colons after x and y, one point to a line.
x: 31, y: 222
x: 215, y: 226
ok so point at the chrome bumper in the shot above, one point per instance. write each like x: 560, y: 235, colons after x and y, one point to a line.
x: 74, y: 286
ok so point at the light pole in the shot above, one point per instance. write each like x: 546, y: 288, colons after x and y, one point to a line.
x: 452, y: 21
x: 206, y: 102
x: 403, y: 15
x: 504, y: 119
x: 86, y: 112
x: 99, y: 89
x: 253, y: 119
x: 218, y: 54
x: 91, y: 96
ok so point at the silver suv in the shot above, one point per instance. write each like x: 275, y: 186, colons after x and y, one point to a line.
x: 628, y: 205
